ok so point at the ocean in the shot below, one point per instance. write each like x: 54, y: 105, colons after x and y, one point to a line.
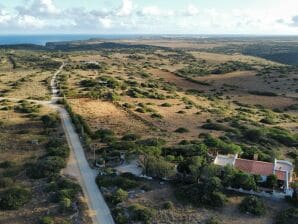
x: 43, y: 39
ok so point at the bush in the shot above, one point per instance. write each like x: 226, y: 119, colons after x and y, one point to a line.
x: 156, y: 115
x: 244, y: 180
x: 252, y: 205
x: 5, y: 182
x: 119, y: 216
x: 61, y: 152
x: 130, y: 137
x: 157, y: 167
x: 157, y: 142
x: 119, y: 196
x: 14, y: 198
x: 166, y: 105
x: 48, y: 167
x: 181, y: 130
x: 65, y: 204
x: 168, y: 205
x: 105, y: 135
x: 50, y: 121
x: 7, y: 164
x: 287, y: 216
x: 46, y: 220
x: 271, y: 181
x: 212, y: 220
x: 141, y: 213
x: 203, y: 194
x: 125, y: 183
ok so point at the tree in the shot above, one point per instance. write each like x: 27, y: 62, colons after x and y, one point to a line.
x: 287, y: 216
x: 244, y: 180
x: 119, y: 196
x: 14, y: 198
x: 46, y: 220
x: 252, y: 205
x: 50, y: 121
x: 65, y: 204
x: 156, y: 166
x: 228, y: 175
x: 141, y: 213
x: 271, y: 181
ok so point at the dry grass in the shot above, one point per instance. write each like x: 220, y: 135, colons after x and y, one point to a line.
x: 31, y: 84
x: 101, y: 114
x: 216, y: 58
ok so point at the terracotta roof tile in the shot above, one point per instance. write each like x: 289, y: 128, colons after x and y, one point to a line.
x: 254, y: 167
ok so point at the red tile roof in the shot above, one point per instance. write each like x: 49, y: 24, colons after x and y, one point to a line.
x: 254, y: 167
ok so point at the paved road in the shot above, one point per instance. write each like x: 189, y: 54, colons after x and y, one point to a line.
x: 100, y: 212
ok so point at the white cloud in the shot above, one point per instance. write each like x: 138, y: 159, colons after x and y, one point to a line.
x: 105, y: 22
x: 5, y: 17
x: 155, y: 11
x: 126, y: 8
x: 27, y: 21
x: 191, y: 10
x: 43, y: 8
x: 131, y: 18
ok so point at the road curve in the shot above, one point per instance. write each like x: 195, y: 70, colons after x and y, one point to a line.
x: 100, y: 212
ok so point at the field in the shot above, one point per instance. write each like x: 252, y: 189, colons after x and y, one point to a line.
x: 167, y: 107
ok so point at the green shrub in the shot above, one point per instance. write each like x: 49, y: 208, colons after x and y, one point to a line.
x: 207, y: 193
x: 252, y: 205
x: 130, y: 137
x: 47, y: 167
x: 141, y: 213
x: 181, y: 130
x: 168, y: 205
x: 244, y: 180
x: 14, y: 198
x: 5, y: 182
x: 105, y: 135
x: 157, y: 142
x: 213, y: 220
x: 287, y: 216
x: 166, y: 105
x: 125, y: 183
x: 120, y: 216
x: 7, y: 164
x: 271, y: 181
x: 157, y: 167
x: 61, y: 152
x: 156, y: 115
x: 253, y: 135
x: 27, y: 107
x: 46, y: 220
x: 65, y: 204
x: 119, y: 196
x: 55, y: 143
x: 50, y: 121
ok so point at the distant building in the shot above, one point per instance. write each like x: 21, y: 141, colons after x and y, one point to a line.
x: 281, y: 168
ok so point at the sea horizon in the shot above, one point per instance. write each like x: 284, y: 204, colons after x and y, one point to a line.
x: 42, y: 39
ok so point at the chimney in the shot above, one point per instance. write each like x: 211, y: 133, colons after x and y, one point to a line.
x: 256, y: 156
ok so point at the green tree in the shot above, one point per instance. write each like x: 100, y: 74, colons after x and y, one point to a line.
x: 271, y: 181
x: 252, y: 205
x: 244, y: 180
x: 14, y: 198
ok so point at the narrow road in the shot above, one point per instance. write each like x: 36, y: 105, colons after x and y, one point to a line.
x: 78, y: 165
x: 100, y: 212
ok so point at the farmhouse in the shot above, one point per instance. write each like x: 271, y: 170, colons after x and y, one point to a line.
x: 281, y: 168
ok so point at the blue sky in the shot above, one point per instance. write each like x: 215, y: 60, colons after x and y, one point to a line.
x: 149, y: 16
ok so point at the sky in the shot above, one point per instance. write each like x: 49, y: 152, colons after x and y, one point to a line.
x: 254, y: 17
